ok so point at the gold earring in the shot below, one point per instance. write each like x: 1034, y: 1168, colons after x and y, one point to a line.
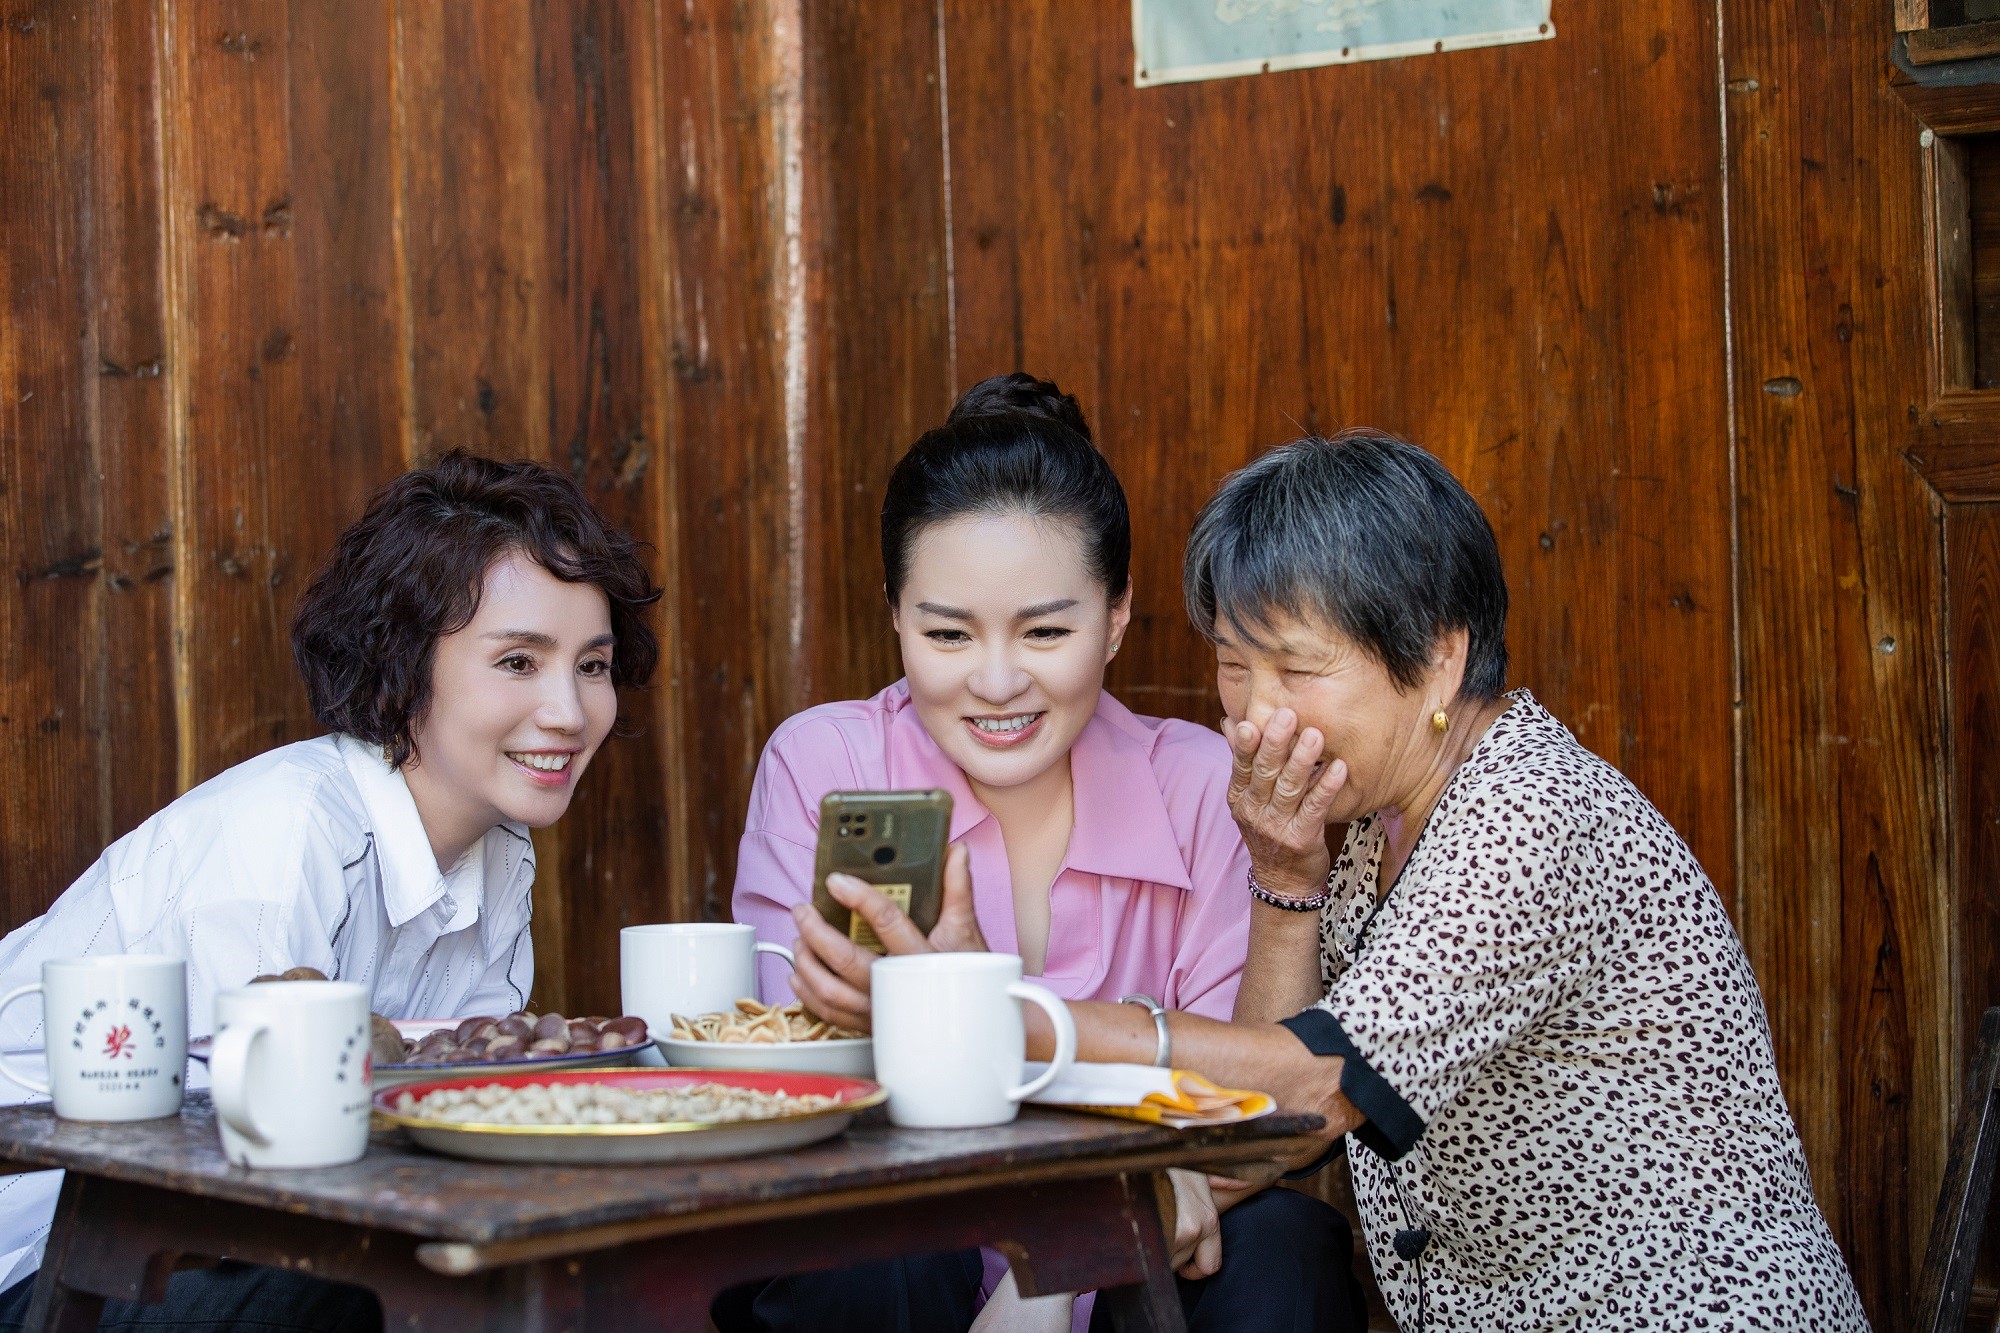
x: 1439, y: 721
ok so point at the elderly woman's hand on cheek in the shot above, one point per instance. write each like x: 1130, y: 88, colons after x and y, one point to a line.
x: 1280, y: 794
x: 831, y: 974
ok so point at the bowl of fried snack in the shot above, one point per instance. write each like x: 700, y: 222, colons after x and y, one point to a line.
x: 754, y: 1035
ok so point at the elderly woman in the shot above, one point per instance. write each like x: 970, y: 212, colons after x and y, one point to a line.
x: 1514, y: 988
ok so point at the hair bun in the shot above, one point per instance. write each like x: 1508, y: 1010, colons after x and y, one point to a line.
x: 1021, y: 394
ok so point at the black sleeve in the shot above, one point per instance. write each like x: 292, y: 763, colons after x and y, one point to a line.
x: 1391, y: 1128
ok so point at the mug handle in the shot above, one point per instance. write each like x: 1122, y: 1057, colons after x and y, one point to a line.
x: 12, y: 1077
x: 229, y: 1079
x: 763, y: 946
x: 1065, y: 1027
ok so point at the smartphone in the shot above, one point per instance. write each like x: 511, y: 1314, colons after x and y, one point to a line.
x: 895, y: 840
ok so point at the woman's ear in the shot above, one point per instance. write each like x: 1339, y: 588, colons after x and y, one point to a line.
x: 1121, y: 616
x: 895, y: 615
x: 1448, y: 664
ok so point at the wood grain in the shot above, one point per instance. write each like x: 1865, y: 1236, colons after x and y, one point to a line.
x: 1972, y: 615
x: 140, y: 746
x: 1967, y: 41
x: 401, y: 1187
x: 600, y: 413
x: 1972, y: 580
x: 1097, y: 1226
x: 730, y: 96
x: 473, y: 206
x: 52, y: 651
x: 320, y: 241
x: 1840, y: 643
x: 878, y: 315
x: 1952, y: 247
x: 282, y: 432
x: 1467, y: 287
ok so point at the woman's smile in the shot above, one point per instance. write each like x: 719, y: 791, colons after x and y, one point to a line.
x: 544, y: 768
x: 1006, y: 730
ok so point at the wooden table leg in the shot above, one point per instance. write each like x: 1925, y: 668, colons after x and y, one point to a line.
x: 56, y: 1306
x: 1076, y: 1236
x: 123, y: 1241
x: 1153, y: 1303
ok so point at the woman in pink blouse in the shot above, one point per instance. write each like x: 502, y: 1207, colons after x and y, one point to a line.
x: 1100, y: 842
x: 1101, y: 845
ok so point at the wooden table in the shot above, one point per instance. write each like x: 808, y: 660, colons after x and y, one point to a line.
x: 1073, y: 1200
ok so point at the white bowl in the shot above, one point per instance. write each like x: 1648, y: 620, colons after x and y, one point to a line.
x: 852, y: 1056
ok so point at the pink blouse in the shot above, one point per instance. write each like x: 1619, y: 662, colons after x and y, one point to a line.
x: 1150, y: 895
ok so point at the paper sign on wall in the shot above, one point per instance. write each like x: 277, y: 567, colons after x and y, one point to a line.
x: 1177, y: 41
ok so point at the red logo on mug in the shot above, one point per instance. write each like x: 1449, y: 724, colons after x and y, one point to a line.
x: 119, y: 1042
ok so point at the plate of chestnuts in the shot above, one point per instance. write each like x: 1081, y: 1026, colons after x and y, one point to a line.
x: 404, y: 1050
x: 485, y: 1045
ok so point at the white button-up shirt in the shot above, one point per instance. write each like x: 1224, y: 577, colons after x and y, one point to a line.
x: 312, y: 855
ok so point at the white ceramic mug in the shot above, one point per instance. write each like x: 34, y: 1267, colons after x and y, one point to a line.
x: 115, y: 1028
x: 949, y: 1041
x: 291, y: 1073
x: 689, y: 967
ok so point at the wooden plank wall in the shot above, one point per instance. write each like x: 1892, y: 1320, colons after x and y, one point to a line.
x: 1842, y: 649
x: 723, y: 260
x: 1215, y: 267
x: 313, y: 244
x: 86, y: 521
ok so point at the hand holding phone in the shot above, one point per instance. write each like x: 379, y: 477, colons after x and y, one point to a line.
x: 893, y: 840
x: 833, y: 972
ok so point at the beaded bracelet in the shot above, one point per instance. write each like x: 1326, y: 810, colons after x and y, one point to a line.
x: 1290, y: 904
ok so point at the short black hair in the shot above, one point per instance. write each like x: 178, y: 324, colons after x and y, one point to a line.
x: 413, y: 568
x: 1364, y: 533
x: 1013, y: 444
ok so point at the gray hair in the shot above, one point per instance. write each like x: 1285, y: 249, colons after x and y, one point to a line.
x: 1363, y: 533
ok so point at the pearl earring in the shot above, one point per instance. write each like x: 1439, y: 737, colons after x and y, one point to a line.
x: 1439, y: 721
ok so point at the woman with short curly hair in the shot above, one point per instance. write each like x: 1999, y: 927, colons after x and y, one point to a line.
x: 465, y: 645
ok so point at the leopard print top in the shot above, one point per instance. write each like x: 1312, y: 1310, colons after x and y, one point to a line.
x: 1564, y: 1058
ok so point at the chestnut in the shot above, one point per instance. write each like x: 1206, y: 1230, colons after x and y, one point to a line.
x: 633, y: 1029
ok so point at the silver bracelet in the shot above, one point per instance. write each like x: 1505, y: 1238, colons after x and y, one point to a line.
x: 1163, y: 1052
x: 1287, y: 903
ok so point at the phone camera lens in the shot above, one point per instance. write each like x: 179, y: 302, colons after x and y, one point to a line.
x: 884, y: 855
